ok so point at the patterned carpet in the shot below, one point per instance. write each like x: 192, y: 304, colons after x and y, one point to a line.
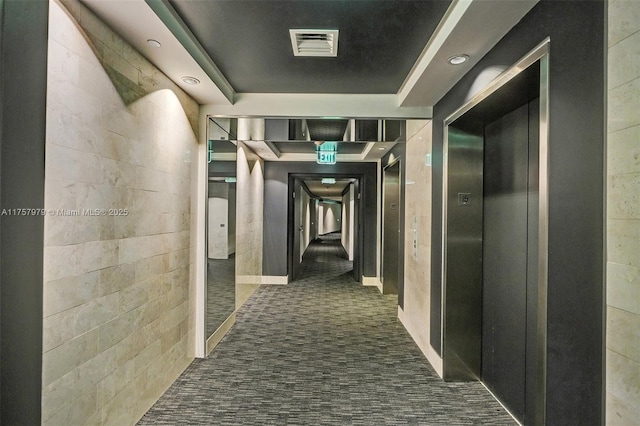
x: 322, y: 350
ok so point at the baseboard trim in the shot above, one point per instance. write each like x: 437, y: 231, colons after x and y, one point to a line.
x: 248, y: 279
x: 372, y: 282
x: 275, y: 279
x: 217, y: 336
x: 426, y: 349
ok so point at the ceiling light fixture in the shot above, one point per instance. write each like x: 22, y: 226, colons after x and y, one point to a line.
x: 190, y: 80
x: 458, y: 59
x: 154, y: 43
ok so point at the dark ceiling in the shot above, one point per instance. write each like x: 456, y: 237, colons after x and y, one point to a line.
x: 249, y: 41
x: 326, y: 130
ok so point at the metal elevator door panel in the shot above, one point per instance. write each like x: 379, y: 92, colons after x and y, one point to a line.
x: 505, y: 258
x: 532, y: 362
x: 391, y: 229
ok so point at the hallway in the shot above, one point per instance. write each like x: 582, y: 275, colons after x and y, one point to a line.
x: 321, y: 350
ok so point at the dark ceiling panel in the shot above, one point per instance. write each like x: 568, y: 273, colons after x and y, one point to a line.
x: 326, y: 130
x: 310, y: 147
x: 322, y: 190
x: 249, y: 41
x: 223, y: 146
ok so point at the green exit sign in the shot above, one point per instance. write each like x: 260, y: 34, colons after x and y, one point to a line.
x: 327, y: 152
x: 326, y: 157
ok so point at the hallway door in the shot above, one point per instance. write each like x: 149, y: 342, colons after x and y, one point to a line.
x: 391, y: 229
x: 508, y: 251
x: 297, y: 229
x: 358, y: 237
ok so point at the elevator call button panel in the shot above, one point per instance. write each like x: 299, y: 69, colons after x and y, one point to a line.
x: 464, y: 198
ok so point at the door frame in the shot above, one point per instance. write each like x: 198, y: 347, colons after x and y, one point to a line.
x: 539, y: 54
x: 358, y: 249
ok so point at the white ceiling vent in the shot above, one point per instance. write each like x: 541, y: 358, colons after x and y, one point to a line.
x: 314, y: 42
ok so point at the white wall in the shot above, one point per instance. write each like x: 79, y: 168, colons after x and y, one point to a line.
x: 218, y: 221
x: 118, y: 317
x: 623, y: 211
x: 331, y: 218
x: 320, y: 216
x: 416, y: 315
x: 348, y: 221
x: 231, y: 229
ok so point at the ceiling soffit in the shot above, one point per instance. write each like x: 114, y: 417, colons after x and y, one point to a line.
x: 467, y: 26
x: 249, y: 41
x: 331, y: 191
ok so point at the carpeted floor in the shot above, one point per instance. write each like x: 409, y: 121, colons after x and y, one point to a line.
x: 322, y: 350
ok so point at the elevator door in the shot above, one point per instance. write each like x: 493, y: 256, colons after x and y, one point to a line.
x: 391, y: 229
x: 508, y: 237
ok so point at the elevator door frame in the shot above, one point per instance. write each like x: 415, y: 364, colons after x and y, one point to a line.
x: 453, y: 367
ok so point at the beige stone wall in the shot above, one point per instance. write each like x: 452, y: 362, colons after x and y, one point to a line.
x: 250, y: 202
x: 118, y: 326
x: 623, y: 215
x: 417, y: 269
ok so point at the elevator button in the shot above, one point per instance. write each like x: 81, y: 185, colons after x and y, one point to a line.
x: 464, y: 198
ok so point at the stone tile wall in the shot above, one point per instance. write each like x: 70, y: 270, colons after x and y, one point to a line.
x: 118, y: 326
x: 250, y: 202
x: 623, y: 215
x: 417, y: 269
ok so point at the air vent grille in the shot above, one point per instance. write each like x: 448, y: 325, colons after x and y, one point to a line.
x: 314, y: 42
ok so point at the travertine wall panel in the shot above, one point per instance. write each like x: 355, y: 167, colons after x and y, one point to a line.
x: 118, y: 320
x: 417, y: 263
x: 249, y: 219
x: 623, y: 215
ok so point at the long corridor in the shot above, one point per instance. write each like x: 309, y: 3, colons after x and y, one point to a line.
x: 323, y: 350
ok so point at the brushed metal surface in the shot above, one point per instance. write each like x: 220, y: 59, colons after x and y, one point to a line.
x: 391, y: 228
x: 463, y: 254
x: 505, y: 258
x: 461, y: 284
x: 543, y: 241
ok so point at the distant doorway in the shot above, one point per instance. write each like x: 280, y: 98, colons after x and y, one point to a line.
x: 324, y: 206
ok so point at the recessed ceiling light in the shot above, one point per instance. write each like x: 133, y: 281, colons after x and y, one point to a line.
x: 190, y: 80
x: 154, y: 43
x: 381, y: 148
x: 458, y: 59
